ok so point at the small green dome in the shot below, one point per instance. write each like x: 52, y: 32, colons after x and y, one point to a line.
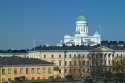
x: 96, y: 32
x: 81, y: 18
x: 65, y: 33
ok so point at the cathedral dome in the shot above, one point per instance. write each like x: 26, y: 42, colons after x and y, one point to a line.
x: 81, y: 18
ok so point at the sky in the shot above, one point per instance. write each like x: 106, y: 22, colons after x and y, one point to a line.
x: 23, y: 22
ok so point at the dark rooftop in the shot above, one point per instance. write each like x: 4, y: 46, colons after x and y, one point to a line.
x: 5, y: 61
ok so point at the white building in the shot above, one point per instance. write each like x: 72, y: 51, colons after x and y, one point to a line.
x: 81, y: 37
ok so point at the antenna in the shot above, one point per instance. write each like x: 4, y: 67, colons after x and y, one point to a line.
x: 81, y: 12
x: 34, y: 45
x: 100, y: 29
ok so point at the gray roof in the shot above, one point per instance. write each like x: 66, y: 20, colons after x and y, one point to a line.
x: 5, y: 61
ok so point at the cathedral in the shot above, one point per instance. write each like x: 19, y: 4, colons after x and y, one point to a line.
x: 81, y: 37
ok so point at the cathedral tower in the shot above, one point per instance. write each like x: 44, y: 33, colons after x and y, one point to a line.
x: 81, y: 26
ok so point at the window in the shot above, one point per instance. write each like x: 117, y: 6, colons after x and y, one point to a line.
x: 3, y: 71
x: 15, y: 71
x: 38, y: 78
x: 74, y: 55
x: 44, y: 70
x: 69, y: 55
x: 60, y: 63
x: 65, y: 63
x: 121, y: 55
x: 109, y: 62
x: 38, y: 70
x: 9, y: 70
x: 83, y: 62
x: 83, y: 55
x: 70, y: 63
x: 79, y: 63
x: 83, y: 70
x: 113, y: 55
x: 117, y: 55
x: 59, y: 56
x: 65, y: 55
x: 79, y: 70
x: 74, y: 70
x: 44, y: 56
x: 27, y: 71
x: 49, y: 70
x: 65, y: 70
x: 32, y: 70
x: 79, y: 56
x: 33, y: 78
x: 74, y: 62
x: 52, y: 56
x: 21, y: 70
x: 109, y: 55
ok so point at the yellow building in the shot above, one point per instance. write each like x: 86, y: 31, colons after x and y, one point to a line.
x: 14, y: 67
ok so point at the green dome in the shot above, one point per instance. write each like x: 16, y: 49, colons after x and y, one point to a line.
x: 65, y: 33
x: 81, y: 18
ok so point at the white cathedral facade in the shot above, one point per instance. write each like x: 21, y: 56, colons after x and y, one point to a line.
x: 82, y: 37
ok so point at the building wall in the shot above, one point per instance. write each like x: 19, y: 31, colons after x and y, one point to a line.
x: 52, y: 56
x: 77, y: 62
x: 69, y: 62
x: 30, y: 72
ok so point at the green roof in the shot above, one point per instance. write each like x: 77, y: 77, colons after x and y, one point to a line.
x: 81, y: 18
x: 96, y: 32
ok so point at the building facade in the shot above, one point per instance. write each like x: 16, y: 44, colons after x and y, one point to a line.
x: 16, y: 67
x: 82, y: 37
x: 79, y: 61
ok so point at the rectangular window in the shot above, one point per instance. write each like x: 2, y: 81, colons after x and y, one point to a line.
x: 109, y: 55
x: 74, y: 55
x: 49, y: 70
x: 59, y: 56
x: 74, y: 63
x: 79, y: 55
x: 27, y: 71
x: 65, y: 55
x: 21, y: 70
x: 83, y: 55
x: 38, y: 70
x: 65, y: 70
x: 15, y: 71
x: 70, y: 56
x: 83, y: 70
x: 44, y: 70
x: 3, y: 71
x: 32, y: 70
x: 9, y: 70
x: 65, y: 63
x: 44, y: 56
x: 52, y: 56
x: 60, y: 63
x: 79, y: 63
x: 70, y: 63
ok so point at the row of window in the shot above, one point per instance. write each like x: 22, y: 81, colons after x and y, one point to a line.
x: 83, y: 55
x: 25, y: 71
x: 32, y: 78
x: 88, y: 70
x: 77, y: 70
x: 86, y: 63
x: 75, y: 63
x: 66, y: 56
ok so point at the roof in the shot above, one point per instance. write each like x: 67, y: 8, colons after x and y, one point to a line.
x: 103, y: 49
x: 5, y: 61
x: 81, y: 18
